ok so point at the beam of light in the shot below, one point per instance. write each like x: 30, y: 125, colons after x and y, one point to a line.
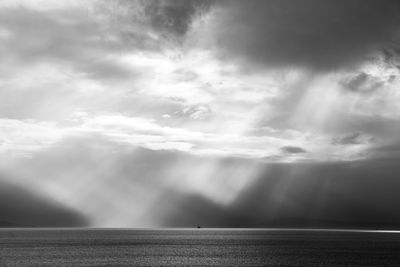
x: 217, y: 180
x: 112, y: 197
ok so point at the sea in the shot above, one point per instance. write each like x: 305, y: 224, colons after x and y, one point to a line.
x: 198, y: 247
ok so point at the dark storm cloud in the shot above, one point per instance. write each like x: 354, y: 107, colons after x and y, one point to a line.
x: 293, y: 149
x: 338, y: 195
x: 19, y: 207
x: 320, y: 35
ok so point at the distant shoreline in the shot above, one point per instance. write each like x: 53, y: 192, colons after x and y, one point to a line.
x: 206, y: 229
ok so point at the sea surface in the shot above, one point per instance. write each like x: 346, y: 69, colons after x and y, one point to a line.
x: 197, y: 247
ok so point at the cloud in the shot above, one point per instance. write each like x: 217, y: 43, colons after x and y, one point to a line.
x: 197, y: 112
x: 67, y: 37
x: 371, y: 90
x: 149, y: 25
x: 293, y: 150
x: 320, y: 35
x: 356, y: 138
x: 362, y: 83
x: 44, y: 5
x: 174, y: 16
x: 22, y: 138
x: 88, y: 38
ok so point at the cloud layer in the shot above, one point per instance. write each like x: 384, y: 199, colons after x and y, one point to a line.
x: 113, y: 107
x: 321, y: 35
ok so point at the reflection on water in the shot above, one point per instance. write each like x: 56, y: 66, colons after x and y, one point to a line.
x: 197, y: 247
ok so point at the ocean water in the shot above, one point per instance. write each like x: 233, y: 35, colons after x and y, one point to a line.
x: 197, y: 247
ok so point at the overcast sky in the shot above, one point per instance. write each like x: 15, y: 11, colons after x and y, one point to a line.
x: 224, y: 113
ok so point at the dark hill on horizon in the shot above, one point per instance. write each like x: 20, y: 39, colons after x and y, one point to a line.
x: 21, y: 208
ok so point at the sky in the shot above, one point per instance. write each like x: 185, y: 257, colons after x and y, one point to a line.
x: 178, y: 113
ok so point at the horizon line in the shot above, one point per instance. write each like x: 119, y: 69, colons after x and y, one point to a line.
x: 210, y: 228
